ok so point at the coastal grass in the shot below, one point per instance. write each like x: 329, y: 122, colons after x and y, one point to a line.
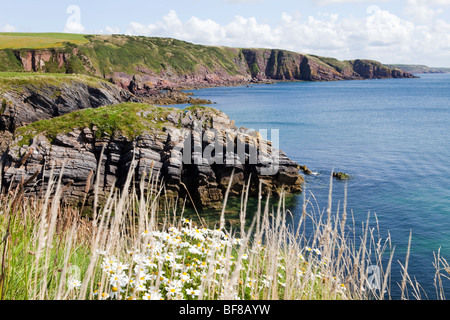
x: 18, y: 40
x: 128, y: 119
x: 14, y: 79
x: 139, y: 245
x: 130, y: 53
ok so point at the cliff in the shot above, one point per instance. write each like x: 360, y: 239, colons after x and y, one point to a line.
x: 173, y: 145
x: 417, y: 69
x: 26, y: 98
x: 161, y: 63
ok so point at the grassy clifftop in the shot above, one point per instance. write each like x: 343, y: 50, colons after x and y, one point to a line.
x: 102, y: 55
x: 112, y: 56
x: 414, y: 68
x: 13, y: 40
x: 13, y: 79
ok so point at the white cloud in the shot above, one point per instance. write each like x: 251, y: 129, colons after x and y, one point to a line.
x: 421, y: 12
x: 73, y: 23
x: 8, y: 28
x: 328, y: 2
x: 74, y: 28
x: 381, y: 35
x: 242, y: 1
x: 437, y: 2
x: 112, y: 30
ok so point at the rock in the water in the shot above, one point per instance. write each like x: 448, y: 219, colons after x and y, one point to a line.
x: 341, y: 176
x: 305, y: 170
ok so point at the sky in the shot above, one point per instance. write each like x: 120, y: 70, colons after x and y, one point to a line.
x: 390, y: 31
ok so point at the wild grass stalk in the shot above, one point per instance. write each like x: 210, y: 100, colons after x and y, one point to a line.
x: 138, y: 245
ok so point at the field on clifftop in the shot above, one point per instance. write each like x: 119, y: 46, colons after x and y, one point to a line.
x: 16, y: 40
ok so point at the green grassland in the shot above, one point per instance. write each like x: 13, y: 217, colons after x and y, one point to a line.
x: 123, y: 54
x: 10, y: 80
x: 13, y: 40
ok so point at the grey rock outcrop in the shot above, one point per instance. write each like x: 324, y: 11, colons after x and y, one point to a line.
x: 194, y: 150
x: 26, y: 103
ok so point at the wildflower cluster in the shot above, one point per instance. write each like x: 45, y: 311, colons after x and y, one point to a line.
x: 188, y: 263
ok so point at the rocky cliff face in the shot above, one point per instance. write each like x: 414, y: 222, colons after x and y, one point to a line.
x: 368, y: 69
x: 195, y: 149
x: 169, y: 63
x: 24, y: 103
x: 38, y: 60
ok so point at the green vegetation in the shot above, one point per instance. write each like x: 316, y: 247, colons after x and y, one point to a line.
x: 116, y: 53
x: 341, y: 175
x: 105, y: 55
x: 9, y: 62
x: 12, y: 79
x: 374, y: 63
x: 413, y: 68
x: 15, y: 40
x: 50, y: 252
x: 112, y: 53
x: 340, y: 66
x: 254, y: 69
x: 128, y: 119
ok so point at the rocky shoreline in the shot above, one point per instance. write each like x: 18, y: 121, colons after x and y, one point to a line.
x: 117, y: 74
x: 160, y: 149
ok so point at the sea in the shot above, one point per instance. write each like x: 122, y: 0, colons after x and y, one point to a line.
x: 392, y: 136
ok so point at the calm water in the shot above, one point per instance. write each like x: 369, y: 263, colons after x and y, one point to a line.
x: 391, y: 136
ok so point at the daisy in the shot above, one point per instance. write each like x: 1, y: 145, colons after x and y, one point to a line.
x: 106, y: 267
x: 73, y: 283
x: 176, y: 266
x: 144, y: 277
x: 121, y: 267
x: 173, y: 291
x: 192, y: 292
x: 140, y: 287
x: 194, y: 250
x: 185, y: 277
x: 197, y: 234
x: 104, y: 295
x: 114, y: 293
x: 145, y: 233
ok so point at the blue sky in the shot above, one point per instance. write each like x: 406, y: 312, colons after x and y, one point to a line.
x: 391, y: 31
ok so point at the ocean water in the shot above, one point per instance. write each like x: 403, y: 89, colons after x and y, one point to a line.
x: 391, y: 136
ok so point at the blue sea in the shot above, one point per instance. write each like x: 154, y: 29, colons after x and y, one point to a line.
x: 390, y: 135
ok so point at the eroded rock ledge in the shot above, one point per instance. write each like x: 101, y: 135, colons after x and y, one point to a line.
x: 179, y: 147
x: 28, y: 98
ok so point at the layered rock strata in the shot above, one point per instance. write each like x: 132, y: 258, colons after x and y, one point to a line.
x: 195, y: 150
x: 25, y: 103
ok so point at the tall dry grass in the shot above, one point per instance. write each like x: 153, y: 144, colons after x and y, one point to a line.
x: 139, y: 245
